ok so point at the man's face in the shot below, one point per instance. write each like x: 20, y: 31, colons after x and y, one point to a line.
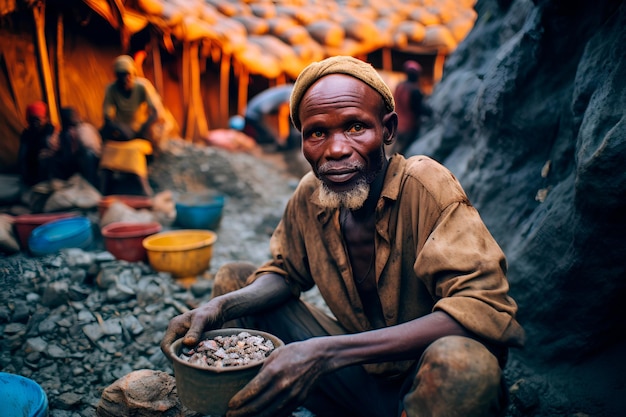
x: 344, y: 126
x: 124, y: 80
x: 37, y: 122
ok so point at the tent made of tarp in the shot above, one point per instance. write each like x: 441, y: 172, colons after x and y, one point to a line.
x: 205, y: 57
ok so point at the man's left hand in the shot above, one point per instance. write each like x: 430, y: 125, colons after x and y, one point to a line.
x: 282, y: 384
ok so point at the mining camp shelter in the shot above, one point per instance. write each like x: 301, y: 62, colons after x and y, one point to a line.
x: 205, y: 57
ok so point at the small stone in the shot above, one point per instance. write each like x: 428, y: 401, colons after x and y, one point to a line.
x: 35, y: 344
x: 56, y: 352
x: 93, y: 331
x: 55, y: 294
x: 67, y: 400
x: 13, y: 328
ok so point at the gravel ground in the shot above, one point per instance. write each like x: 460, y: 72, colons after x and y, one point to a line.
x: 77, y: 321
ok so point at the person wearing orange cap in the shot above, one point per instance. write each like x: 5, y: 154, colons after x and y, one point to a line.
x: 409, y: 106
x: 38, y: 144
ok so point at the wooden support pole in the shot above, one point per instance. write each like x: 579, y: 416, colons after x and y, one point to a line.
x: 440, y: 59
x: 244, y: 79
x: 60, y: 67
x: 39, y: 15
x: 387, y: 61
x: 196, y: 93
x: 156, y: 63
x: 186, y: 99
x: 224, y: 87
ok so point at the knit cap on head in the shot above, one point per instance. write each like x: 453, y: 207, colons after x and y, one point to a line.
x: 346, y: 65
x: 37, y: 109
x: 124, y: 63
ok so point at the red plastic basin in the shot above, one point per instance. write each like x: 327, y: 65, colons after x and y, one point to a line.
x: 24, y: 224
x: 124, y: 239
x: 135, y: 201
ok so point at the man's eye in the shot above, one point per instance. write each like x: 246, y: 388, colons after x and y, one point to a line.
x: 317, y: 134
x: 357, y: 127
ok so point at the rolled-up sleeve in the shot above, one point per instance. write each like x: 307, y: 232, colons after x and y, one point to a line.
x: 465, y: 270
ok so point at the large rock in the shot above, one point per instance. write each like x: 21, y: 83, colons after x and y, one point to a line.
x: 142, y: 393
x: 530, y: 116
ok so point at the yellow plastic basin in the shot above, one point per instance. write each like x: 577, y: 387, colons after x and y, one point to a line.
x: 183, y: 253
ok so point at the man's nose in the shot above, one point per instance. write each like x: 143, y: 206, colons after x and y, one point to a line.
x: 338, y: 144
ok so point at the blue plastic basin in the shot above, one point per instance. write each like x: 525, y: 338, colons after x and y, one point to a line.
x: 22, y: 397
x: 200, y: 211
x: 75, y: 232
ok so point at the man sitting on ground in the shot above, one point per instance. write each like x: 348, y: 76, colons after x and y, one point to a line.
x: 416, y: 283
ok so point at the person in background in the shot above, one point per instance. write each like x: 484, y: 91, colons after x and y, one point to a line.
x: 79, y: 150
x: 38, y: 145
x: 267, y: 118
x: 421, y: 317
x: 409, y: 106
x: 128, y: 108
x: 130, y: 113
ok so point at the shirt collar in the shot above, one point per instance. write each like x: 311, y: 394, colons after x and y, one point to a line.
x: 393, y: 179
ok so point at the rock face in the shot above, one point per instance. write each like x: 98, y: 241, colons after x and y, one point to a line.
x: 530, y: 116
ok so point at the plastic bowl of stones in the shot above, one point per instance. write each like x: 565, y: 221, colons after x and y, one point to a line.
x: 24, y: 224
x: 137, y: 202
x: 200, y: 211
x: 211, y: 373
x: 49, y: 238
x: 184, y: 253
x: 22, y: 396
x: 124, y: 239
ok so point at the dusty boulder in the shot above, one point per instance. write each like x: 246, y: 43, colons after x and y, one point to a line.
x: 142, y: 393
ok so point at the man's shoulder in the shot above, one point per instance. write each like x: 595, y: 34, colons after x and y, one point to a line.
x: 419, y: 165
x: 308, y: 183
x: 110, y: 86
x: 143, y: 83
x: 435, y: 178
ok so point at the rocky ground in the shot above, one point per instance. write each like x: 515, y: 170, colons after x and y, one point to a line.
x: 77, y: 321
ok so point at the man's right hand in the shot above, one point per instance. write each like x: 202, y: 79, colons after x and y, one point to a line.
x: 192, y: 324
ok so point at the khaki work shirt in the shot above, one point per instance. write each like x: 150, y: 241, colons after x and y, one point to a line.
x: 132, y: 110
x: 433, y: 252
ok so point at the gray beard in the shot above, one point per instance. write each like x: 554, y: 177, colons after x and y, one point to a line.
x: 352, y: 199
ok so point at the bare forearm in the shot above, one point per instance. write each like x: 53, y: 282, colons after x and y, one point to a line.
x: 402, y: 342
x: 264, y: 293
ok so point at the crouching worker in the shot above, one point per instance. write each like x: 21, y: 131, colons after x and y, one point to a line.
x: 129, y: 114
x: 39, y: 143
x: 415, y: 281
x: 80, y: 147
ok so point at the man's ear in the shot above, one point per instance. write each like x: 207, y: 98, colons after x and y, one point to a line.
x: 390, y: 127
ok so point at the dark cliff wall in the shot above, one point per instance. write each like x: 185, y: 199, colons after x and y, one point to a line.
x: 531, y: 117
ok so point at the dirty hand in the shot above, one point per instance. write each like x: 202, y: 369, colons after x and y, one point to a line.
x: 192, y: 324
x: 282, y: 385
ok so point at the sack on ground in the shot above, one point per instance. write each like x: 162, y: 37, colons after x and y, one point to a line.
x: 8, y: 242
x: 76, y: 192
